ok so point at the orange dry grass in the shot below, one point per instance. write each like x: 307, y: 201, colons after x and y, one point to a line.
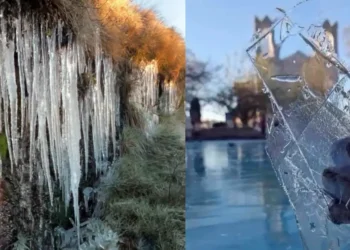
x: 140, y: 35
x: 122, y: 25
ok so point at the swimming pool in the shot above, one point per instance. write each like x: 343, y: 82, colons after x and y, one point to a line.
x: 234, y: 201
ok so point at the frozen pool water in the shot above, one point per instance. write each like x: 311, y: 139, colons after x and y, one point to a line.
x: 234, y: 201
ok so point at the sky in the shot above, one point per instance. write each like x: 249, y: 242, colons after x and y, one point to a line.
x: 217, y: 29
x: 172, y: 11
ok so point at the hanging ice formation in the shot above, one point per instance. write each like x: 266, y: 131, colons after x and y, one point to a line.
x: 41, y: 104
x: 56, y: 101
x: 170, y: 101
x: 145, y: 93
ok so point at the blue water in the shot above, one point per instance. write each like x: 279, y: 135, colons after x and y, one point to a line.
x: 234, y: 201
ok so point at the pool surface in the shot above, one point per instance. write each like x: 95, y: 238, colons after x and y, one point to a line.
x: 234, y: 201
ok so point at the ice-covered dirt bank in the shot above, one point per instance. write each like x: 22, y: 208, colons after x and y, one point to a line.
x: 63, y: 105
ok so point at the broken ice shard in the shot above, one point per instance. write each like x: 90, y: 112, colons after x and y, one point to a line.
x: 309, y: 95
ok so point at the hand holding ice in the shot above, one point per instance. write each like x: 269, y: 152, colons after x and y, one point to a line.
x: 340, y: 152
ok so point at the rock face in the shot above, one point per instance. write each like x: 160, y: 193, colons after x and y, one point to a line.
x: 6, y: 225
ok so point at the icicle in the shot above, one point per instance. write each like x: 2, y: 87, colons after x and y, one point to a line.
x: 43, y: 106
x: 33, y: 97
x: 10, y: 93
x: 106, y: 101
x: 19, y: 48
x: 72, y: 126
x: 84, y: 116
x: 54, y: 117
x: 2, y: 59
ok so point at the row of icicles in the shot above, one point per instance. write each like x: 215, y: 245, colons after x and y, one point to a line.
x: 146, y: 96
x: 49, y: 98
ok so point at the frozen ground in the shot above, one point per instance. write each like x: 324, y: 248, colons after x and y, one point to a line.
x: 234, y: 201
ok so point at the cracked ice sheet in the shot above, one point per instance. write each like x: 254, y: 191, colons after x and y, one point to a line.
x: 309, y: 120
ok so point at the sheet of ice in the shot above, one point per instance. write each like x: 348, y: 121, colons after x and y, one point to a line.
x: 309, y: 92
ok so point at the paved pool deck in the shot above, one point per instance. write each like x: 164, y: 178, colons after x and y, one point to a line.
x: 234, y: 201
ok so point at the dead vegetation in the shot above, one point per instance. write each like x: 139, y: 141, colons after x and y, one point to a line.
x: 126, y: 30
x: 139, y: 34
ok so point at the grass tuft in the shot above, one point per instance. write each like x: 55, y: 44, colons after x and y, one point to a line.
x: 147, y: 198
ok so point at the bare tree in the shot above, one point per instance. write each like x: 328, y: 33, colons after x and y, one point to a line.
x: 226, y: 98
x: 196, y: 71
x: 240, y: 90
x: 198, y: 75
x: 249, y: 102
